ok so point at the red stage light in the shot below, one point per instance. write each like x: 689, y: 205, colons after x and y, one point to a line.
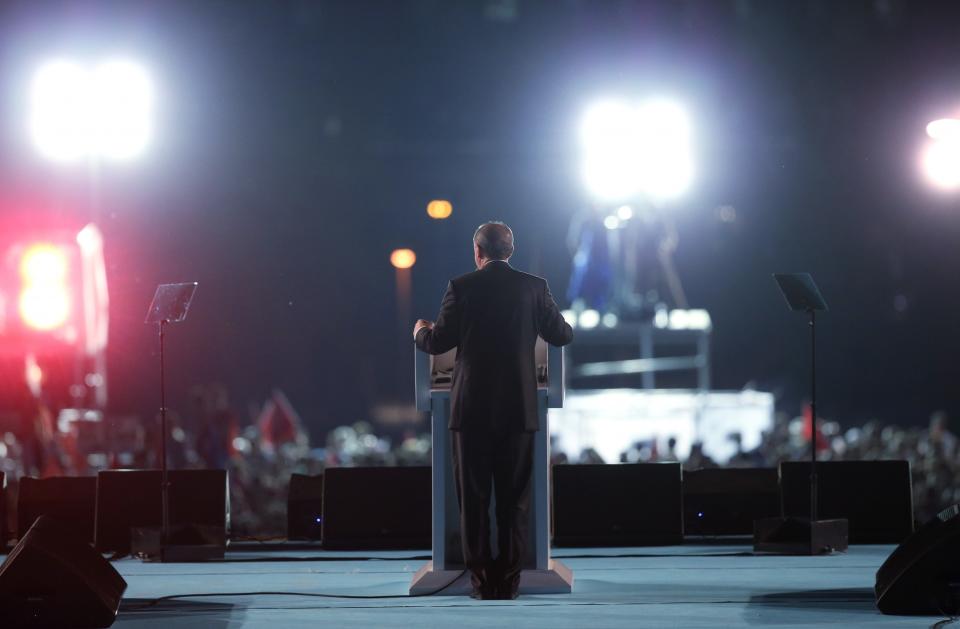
x: 45, y: 295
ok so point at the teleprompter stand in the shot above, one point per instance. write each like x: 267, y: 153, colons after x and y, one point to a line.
x: 796, y: 535
x: 170, y: 305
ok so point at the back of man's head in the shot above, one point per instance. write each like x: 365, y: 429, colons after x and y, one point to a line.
x: 495, y: 240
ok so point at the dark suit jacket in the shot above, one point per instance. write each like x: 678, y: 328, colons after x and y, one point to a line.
x: 493, y: 317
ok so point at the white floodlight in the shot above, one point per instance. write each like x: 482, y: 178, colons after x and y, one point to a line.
x: 611, y: 142
x: 941, y: 158
x: 124, y: 99
x: 82, y: 111
x: 632, y: 150
x: 941, y: 161
x: 59, y: 110
x: 944, y: 128
x: 667, y: 167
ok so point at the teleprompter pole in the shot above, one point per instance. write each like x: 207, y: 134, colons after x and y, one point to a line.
x: 164, y: 483
x: 813, y: 415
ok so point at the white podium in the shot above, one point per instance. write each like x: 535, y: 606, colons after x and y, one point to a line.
x: 541, y: 574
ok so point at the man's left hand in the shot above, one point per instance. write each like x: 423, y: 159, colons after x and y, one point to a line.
x: 421, y: 323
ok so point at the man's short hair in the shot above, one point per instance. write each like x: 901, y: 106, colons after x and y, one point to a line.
x: 495, y: 240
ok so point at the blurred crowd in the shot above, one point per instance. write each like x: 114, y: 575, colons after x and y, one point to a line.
x: 263, y: 448
x: 259, y: 450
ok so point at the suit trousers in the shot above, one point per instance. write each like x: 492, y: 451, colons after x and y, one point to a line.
x: 500, y: 461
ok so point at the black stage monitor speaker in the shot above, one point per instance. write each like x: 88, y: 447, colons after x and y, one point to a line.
x: 131, y: 499
x: 617, y: 505
x: 377, y: 507
x: 69, y: 499
x: 53, y: 578
x: 921, y: 575
x: 876, y: 497
x: 726, y: 501
x: 305, y: 507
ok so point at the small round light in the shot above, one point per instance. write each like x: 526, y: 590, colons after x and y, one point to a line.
x: 589, y: 319
x: 403, y: 258
x: 439, y: 209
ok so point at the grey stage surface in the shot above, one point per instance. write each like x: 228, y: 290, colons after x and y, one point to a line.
x: 679, y: 586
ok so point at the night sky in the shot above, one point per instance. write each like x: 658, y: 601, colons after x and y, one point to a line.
x: 297, y: 143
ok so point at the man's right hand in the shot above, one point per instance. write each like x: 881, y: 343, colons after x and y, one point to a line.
x: 420, y: 324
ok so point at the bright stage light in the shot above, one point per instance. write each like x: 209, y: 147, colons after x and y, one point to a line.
x: 43, y: 264
x: 941, y: 158
x: 941, y: 161
x: 403, y: 258
x: 100, y: 111
x: 44, y: 308
x: 44, y: 302
x: 944, y: 129
x: 633, y: 150
x: 439, y: 209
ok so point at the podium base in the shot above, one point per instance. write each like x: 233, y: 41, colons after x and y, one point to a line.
x: 557, y: 579
x: 800, y: 536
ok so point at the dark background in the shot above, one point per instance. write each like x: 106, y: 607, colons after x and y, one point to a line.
x: 297, y: 143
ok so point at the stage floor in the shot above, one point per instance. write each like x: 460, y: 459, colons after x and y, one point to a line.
x: 678, y: 586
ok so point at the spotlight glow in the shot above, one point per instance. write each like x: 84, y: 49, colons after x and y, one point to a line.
x: 633, y: 150
x: 100, y: 111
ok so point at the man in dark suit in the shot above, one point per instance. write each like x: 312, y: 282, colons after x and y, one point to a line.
x: 493, y: 317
